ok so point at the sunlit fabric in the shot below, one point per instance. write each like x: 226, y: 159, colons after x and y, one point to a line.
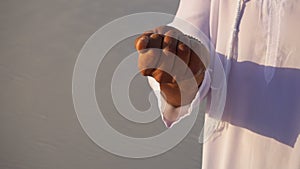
x: 261, y: 122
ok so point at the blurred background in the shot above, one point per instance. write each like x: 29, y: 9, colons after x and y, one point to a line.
x: 39, y: 43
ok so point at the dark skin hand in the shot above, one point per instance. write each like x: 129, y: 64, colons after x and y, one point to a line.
x: 166, y: 49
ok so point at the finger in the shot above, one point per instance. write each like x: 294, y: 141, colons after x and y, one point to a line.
x: 148, y: 60
x: 166, y: 62
x: 155, y: 41
x: 142, y: 36
x: 170, y: 41
x: 195, y: 65
x: 183, y: 49
x: 141, y: 43
x: 183, y: 55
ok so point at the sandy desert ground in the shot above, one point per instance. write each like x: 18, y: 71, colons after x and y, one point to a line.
x: 39, y: 43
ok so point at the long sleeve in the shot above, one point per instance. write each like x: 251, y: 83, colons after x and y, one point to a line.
x: 196, y: 14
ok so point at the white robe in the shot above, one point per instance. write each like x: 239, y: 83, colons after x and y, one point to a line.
x: 261, y: 121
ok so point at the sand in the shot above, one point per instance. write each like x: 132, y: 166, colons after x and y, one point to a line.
x: 39, y: 43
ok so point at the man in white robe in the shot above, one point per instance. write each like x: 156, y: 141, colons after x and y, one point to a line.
x: 261, y: 120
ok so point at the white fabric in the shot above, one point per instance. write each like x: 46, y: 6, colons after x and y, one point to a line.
x: 261, y: 121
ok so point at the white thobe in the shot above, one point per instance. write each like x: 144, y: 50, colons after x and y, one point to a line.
x: 261, y: 120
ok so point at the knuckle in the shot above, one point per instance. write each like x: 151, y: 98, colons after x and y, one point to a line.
x: 170, y: 43
x: 183, y: 48
x: 172, y: 35
x: 154, y: 36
